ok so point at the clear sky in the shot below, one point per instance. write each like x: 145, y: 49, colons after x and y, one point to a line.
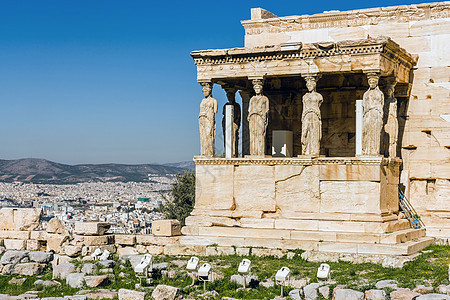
x: 97, y: 81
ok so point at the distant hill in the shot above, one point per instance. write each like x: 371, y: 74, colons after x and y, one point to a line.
x: 45, y: 171
x: 188, y: 165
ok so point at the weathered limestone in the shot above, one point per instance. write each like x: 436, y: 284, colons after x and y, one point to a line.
x: 321, y: 204
x: 91, y: 228
x: 207, y: 123
x: 19, y: 219
x: 11, y: 244
x: 125, y: 294
x: 258, y: 119
x: 55, y: 226
x: 166, y: 228
x: 423, y: 31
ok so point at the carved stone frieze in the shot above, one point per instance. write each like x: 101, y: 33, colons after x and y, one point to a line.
x: 352, y: 18
x: 296, y: 161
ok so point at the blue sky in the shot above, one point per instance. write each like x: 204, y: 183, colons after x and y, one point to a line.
x: 97, y: 81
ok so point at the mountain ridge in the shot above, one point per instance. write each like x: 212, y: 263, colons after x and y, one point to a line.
x: 38, y: 170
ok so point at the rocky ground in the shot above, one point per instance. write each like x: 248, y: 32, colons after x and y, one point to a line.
x: 44, y: 275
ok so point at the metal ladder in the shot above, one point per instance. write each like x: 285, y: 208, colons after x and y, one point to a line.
x: 409, y: 211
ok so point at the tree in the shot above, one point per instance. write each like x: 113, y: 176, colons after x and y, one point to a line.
x: 180, y: 202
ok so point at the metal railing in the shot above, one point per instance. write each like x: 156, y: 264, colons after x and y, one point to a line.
x: 409, y: 211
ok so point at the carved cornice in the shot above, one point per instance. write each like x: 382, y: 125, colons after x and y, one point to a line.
x: 199, y: 160
x: 372, y: 16
x: 381, y: 45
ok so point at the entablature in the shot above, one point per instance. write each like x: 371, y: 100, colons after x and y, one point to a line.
x: 380, y: 55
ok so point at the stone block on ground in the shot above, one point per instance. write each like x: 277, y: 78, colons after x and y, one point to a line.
x: 166, y: 228
x: 127, y: 250
x: 444, y: 289
x: 403, y: 294
x: 324, y: 291
x: 97, y: 240
x: 89, y: 268
x: 47, y: 283
x: 296, y: 294
x: 125, y: 294
x: 375, y: 295
x: 433, y: 297
x: 107, y: 263
x: 348, y: 294
x: 12, y: 244
x: 33, y: 245
x: 102, y: 294
x: 386, y: 284
x: 75, y: 280
x: 134, y: 259
x: 95, y: 281
x: 177, y: 249
x: 72, y: 251
x: 17, y: 281
x: 7, y: 269
x: 14, y: 234
x: 28, y: 269
x: 21, y: 219
x: 54, y: 241
x: 165, y: 292
x: 310, y: 291
x: 421, y: 289
x: 55, y: 225
x: 125, y: 239
x: 40, y: 256
x: 61, y: 271
x: 91, y: 228
x: 12, y: 257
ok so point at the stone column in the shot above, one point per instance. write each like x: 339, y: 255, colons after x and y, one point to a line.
x: 229, y: 132
x: 391, y: 126
x: 359, y: 124
x: 311, y: 117
x: 258, y: 113
x: 245, y: 96
x: 206, y: 120
x: 235, y: 124
x: 373, y: 101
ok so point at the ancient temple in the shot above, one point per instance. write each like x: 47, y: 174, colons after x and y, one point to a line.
x: 327, y: 102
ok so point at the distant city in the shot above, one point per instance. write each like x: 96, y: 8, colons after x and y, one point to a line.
x: 129, y: 206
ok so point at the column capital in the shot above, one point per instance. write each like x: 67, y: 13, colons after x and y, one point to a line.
x: 255, y: 79
x: 315, y: 76
x: 372, y: 73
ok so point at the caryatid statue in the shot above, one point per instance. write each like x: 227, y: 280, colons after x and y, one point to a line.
x: 258, y: 110
x: 373, y: 101
x: 311, y: 118
x: 391, y: 126
x: 231, y: 96
x: 206, y: 120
